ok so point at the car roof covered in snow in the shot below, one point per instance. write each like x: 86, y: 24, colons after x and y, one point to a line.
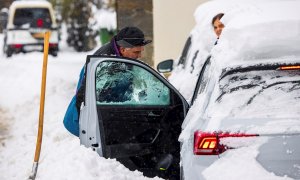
x: 260, y: 33
x: 17, y: 4
x: 29, y: 4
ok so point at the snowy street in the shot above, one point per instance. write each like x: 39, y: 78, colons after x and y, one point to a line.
x: 62, y: 157
x: 229, y: 109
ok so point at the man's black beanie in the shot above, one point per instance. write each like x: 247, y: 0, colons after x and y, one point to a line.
x: 130, y: 37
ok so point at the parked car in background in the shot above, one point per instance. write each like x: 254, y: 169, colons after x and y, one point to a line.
x: 27, y: 23
x: 241, y: 121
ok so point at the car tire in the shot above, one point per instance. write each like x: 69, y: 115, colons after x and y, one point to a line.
x: 54, y: 53
x: 6, y: 49
x: 9, y: 52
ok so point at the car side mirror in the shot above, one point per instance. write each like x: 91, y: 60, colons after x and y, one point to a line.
x: 165, y: 66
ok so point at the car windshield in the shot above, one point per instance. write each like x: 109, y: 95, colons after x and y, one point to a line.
x: 32, y: 16
x: 259, y: 94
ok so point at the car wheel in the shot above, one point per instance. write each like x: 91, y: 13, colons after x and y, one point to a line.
x: 8, y: 52
x: 4, y: 48
x: 54, y: 53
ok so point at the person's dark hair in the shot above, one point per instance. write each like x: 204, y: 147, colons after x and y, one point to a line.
x: 218, y: 16
x: 130, y: 37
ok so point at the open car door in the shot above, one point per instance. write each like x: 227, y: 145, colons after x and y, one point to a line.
x: 133, y: 114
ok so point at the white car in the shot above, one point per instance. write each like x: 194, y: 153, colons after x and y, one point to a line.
x: 27, y: 23
x: 242, y: 121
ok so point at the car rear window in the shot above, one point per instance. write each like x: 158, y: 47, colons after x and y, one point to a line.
x: 260, y: 93
x: 35, y: 17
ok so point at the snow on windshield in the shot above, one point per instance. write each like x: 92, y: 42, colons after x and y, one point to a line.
x: 254, y: 96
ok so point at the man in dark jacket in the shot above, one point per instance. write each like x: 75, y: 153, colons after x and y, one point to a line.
x: 129, y: 43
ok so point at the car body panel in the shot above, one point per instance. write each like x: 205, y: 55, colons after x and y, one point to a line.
x: 251, y: 99
x: 281, y: 155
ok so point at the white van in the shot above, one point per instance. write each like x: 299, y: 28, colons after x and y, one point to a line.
x: 27, y: 23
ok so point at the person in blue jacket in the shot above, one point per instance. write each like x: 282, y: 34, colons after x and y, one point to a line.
x: 129, y: 43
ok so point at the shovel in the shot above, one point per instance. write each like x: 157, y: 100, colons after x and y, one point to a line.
x: 41, y: 114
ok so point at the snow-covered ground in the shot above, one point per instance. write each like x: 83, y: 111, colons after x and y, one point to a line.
x: 62, y: 157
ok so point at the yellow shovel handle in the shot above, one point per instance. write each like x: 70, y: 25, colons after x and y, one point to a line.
x: 42, y: 100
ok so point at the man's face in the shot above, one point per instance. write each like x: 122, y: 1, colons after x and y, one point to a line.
x: 218, y: 27
x: 133, y: 53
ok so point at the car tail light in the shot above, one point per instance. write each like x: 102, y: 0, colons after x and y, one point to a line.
x: 17, y: 46
x: 293, y: 67
x: 39, y: 22
x: 53, y: 44
x: 209, y: 143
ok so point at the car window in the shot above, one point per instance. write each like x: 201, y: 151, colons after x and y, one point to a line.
x: 31, y: 15
x: 183, y: 57
x: 262, y: 93
x: 202, y: 80
x: 122, y: 83
x: 193, y: 61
